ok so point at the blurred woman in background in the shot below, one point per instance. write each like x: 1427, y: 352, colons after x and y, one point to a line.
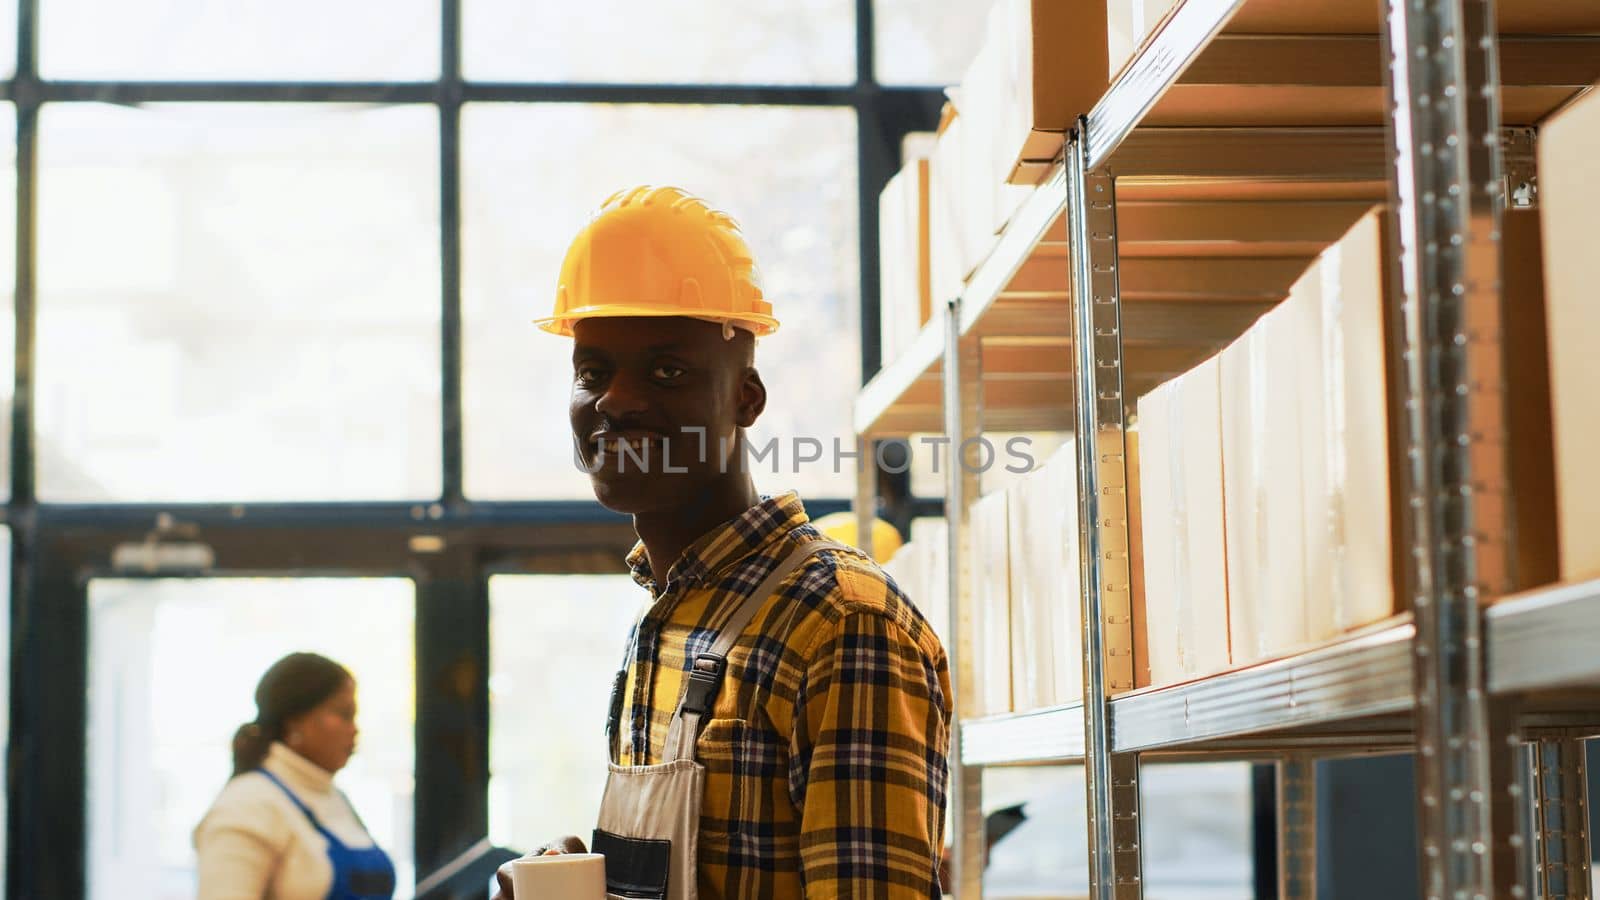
x: 280, y: 829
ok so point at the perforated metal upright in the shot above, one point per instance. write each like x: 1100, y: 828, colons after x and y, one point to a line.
x: 963, y: 422
x: 1297, y: 827
x: 1561, y: 819
x: 1113, y: 780
x: 1447, y: 187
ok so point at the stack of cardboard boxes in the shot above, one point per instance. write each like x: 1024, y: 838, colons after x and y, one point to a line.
x: 1292, y: 534
x: 904, y: 260
x: 1267, y: 484
x: 1041, y: 65
x: 1026, y: 597
x: 1306, y: 457
x: 1569, y: 197
x: 1128, y: 24
x: 921, y: 568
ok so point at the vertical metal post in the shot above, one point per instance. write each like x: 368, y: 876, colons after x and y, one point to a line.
x: 1561, y: 816
x: 962, y: 417
x: 1113, y: 781
x: 451, y: 91
x: 1444, y: 104
x: 1297, y: 827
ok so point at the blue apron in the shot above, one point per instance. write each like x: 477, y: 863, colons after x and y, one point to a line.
x: 365, y: 874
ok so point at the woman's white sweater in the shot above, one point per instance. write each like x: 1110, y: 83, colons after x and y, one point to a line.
x: 255, y: 844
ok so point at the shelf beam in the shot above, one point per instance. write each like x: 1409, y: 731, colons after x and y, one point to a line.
x: 1546, y: 640
x: 1363, y: 677
x: 1041, y: 736
x: 1151, y: 73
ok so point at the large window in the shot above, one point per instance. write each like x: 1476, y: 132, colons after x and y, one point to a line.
x: 281, y: 259
x: 928, y: 41
x: 705, y: 41
x: 173, y: 670
x: 276, y: 40
x: 238, y: 302
x: 555, y: 642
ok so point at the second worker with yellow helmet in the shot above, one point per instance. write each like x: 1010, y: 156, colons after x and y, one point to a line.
x: 779, y: 723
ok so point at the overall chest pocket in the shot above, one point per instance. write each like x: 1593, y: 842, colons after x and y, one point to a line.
x: 747, y: 772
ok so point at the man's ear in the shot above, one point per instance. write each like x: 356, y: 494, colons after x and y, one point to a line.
x: 752, y: 398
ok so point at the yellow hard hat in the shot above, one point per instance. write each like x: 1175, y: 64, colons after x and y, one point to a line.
x: 841, y: 526
x: 660, y: 251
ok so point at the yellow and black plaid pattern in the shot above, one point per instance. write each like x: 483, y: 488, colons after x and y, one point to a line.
x: 825, y: 749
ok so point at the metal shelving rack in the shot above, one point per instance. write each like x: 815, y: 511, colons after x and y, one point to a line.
x: 1058, y: 330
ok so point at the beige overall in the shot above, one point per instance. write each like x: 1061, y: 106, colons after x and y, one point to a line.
x: 650, y: 815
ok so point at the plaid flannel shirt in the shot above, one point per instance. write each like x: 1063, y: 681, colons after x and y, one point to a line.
x: 825, y: 749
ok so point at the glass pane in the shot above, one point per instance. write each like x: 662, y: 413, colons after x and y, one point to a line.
x: 705, y: 41
x: 1031, y: 861
x: 8, y: 281
x: 173, y: 666
x: 555, y: 642
x: 8, y: 39
x: 277, y: 40
x: 1195, y: 830
x: 238, y: 302
x: 927, y: 43
x: 532, y: 174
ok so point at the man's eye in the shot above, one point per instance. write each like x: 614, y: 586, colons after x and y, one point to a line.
x: 667, y: 373
x: 588, y: 374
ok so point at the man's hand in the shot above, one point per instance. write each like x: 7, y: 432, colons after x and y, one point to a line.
x: 569, y: 844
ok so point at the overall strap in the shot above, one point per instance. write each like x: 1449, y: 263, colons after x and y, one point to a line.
x: 705, y: 675
x: 295, y: 799
x: 619, y: 684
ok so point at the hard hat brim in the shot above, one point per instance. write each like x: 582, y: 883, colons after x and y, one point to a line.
x: 758, y: 324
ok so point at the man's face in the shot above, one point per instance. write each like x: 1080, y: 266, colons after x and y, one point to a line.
x: 657, y: 404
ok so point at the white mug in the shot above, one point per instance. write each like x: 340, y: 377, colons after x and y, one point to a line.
x: 560, y: 876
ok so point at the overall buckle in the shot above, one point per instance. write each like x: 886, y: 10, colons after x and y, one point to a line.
x: 705, y: 679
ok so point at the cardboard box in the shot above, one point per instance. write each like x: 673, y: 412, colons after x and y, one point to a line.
x: 922, y: 571
x: 1158, y: 500
x: 1346, y: 17
x: 1128, y: 24
x: 1203, y: 643
x: 945, y: 225
x: 1061, y: 478
x: 1137, y: 574
x: 1185, y: 556
x: 1529, y: 413
x: 896, y: 268
x: 1046, y: 593
x: 1322, y: 442
x: 932, y: 537
x: 1569, y: 197
x: 1364, y: 565
x: 1263, y: 504
x: 1123, y: 33
x: 990, y: 614
x: 905, y: 300
x: 1059, y: 67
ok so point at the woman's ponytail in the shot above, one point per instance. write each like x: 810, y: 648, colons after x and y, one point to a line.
x: 250, y: 745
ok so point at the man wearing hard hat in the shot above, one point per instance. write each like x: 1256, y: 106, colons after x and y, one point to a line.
x: 779, y: 725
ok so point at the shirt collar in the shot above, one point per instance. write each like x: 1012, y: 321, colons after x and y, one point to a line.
x: 726, y: 544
